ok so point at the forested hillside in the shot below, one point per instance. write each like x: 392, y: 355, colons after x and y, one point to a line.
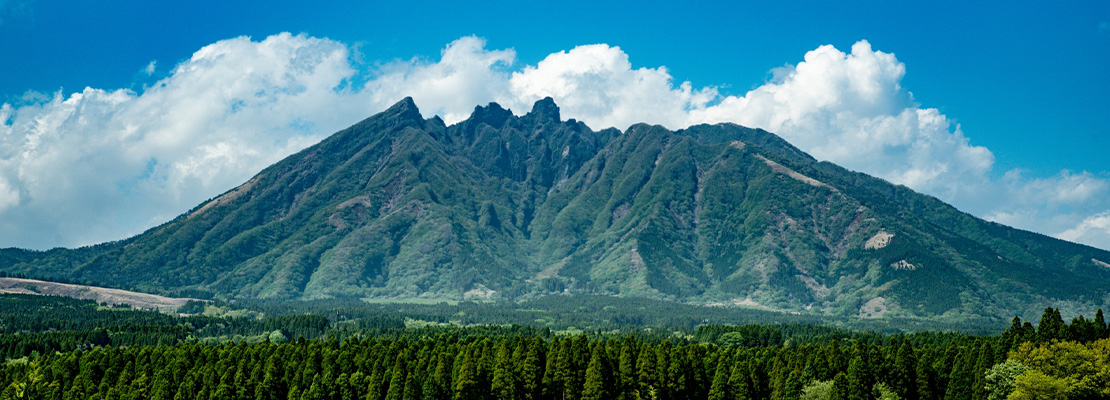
x: 506, y: 207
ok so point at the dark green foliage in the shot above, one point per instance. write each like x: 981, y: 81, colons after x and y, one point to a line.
x: 840, y: 387
x: 445, y: 366
x: 1051, y: 326
x: 599, y: 384
x: 903, y: 378
x: 46, y: 324
x: 192, y: 307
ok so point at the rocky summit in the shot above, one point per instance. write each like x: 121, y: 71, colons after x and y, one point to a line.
x: 512, y: 207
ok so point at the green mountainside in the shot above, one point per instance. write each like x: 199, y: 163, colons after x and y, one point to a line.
x: 507, y: 207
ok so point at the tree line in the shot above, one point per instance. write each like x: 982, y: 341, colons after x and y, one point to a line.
x: 525, y: 364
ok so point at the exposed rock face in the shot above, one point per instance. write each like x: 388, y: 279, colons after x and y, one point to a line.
x: 880, y: 240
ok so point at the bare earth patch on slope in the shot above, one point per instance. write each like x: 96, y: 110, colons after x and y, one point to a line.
x: 98, y: 294
x: 1101, y: 263
x: 227, y: 197
x: 779, y: 168
x: 819, y: 290
x: 874, y: 308
x: 479, y: 291
x: 878, y: 241
x: 903, y: 265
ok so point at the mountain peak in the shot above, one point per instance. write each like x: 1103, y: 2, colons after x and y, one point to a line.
x: 401, y: 207
x: 492, y: 114
x: 546, y: 107
x: 405, y: 109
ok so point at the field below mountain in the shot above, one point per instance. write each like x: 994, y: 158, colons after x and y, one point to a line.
x: 100, y: 295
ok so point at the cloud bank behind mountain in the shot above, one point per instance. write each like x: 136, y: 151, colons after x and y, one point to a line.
x: 103, y: 164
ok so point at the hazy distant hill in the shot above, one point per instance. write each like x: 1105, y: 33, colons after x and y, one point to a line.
x: 508, y: 207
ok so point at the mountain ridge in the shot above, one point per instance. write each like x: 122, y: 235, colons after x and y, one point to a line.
x: 510, y: 207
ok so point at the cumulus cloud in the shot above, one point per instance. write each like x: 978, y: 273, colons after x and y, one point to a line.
x: 150, y: 68
x: 852, y: 110
x: 597, y: 84
x: 103, y: 164
x: 1093, y: 229
x: 465, y: 76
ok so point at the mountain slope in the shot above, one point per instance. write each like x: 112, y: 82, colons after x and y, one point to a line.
x: 500, y: 206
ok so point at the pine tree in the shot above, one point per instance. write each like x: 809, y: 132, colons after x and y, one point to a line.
x: 840, y: 387
x: 294, y: 392
x: 961, y: 379
x: 357, y: 382
x: 435, y: 385
x: 242, y: 382
x: 226, y: 387
x: 569, y: 370
x: 860, y: 380
x: 1100, y: 325
x: 698, y: 379
x: 926, y: 383
x: 376, y: 383
x: 793, y: 386
x: 779, y: 374
x: 626, y: 369
x: 316, y: 390
x: 344, y: 389
x: 484, y: 372
x: 904, y: 375
x: 719, y: 389
x: 577, y: 358
x: 397, y: 380
x: 552, y: 387
x: 678, y: 379
x: 531, y: 371
x: 818, y: 368
x: 739, y: 383
x: 1015, y: 334
x: 759, y: 382
x: 662, y: 366
x: 187, y: 390
x: 984, y: 362
x: 645, y: 372
x: 1051, y: 326
x: 466, y: 383
x: 503, y: 385
x: 596, y: 386
x: 162, y: 387
x: 412, y: 388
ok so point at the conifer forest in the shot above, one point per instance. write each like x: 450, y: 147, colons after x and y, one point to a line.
x: 58, y: 348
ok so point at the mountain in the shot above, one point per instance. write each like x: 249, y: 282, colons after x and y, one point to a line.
x: 507, y: 207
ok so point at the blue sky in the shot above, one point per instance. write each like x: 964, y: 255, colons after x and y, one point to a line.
x: 1019, y: 91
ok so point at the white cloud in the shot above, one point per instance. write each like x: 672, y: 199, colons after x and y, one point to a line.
x: 1063, y: 205
x: 467, y: 75
x: 852, y: 110
x: 1094, y: 229
x: 596, y: 84
x: 103, y: 164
